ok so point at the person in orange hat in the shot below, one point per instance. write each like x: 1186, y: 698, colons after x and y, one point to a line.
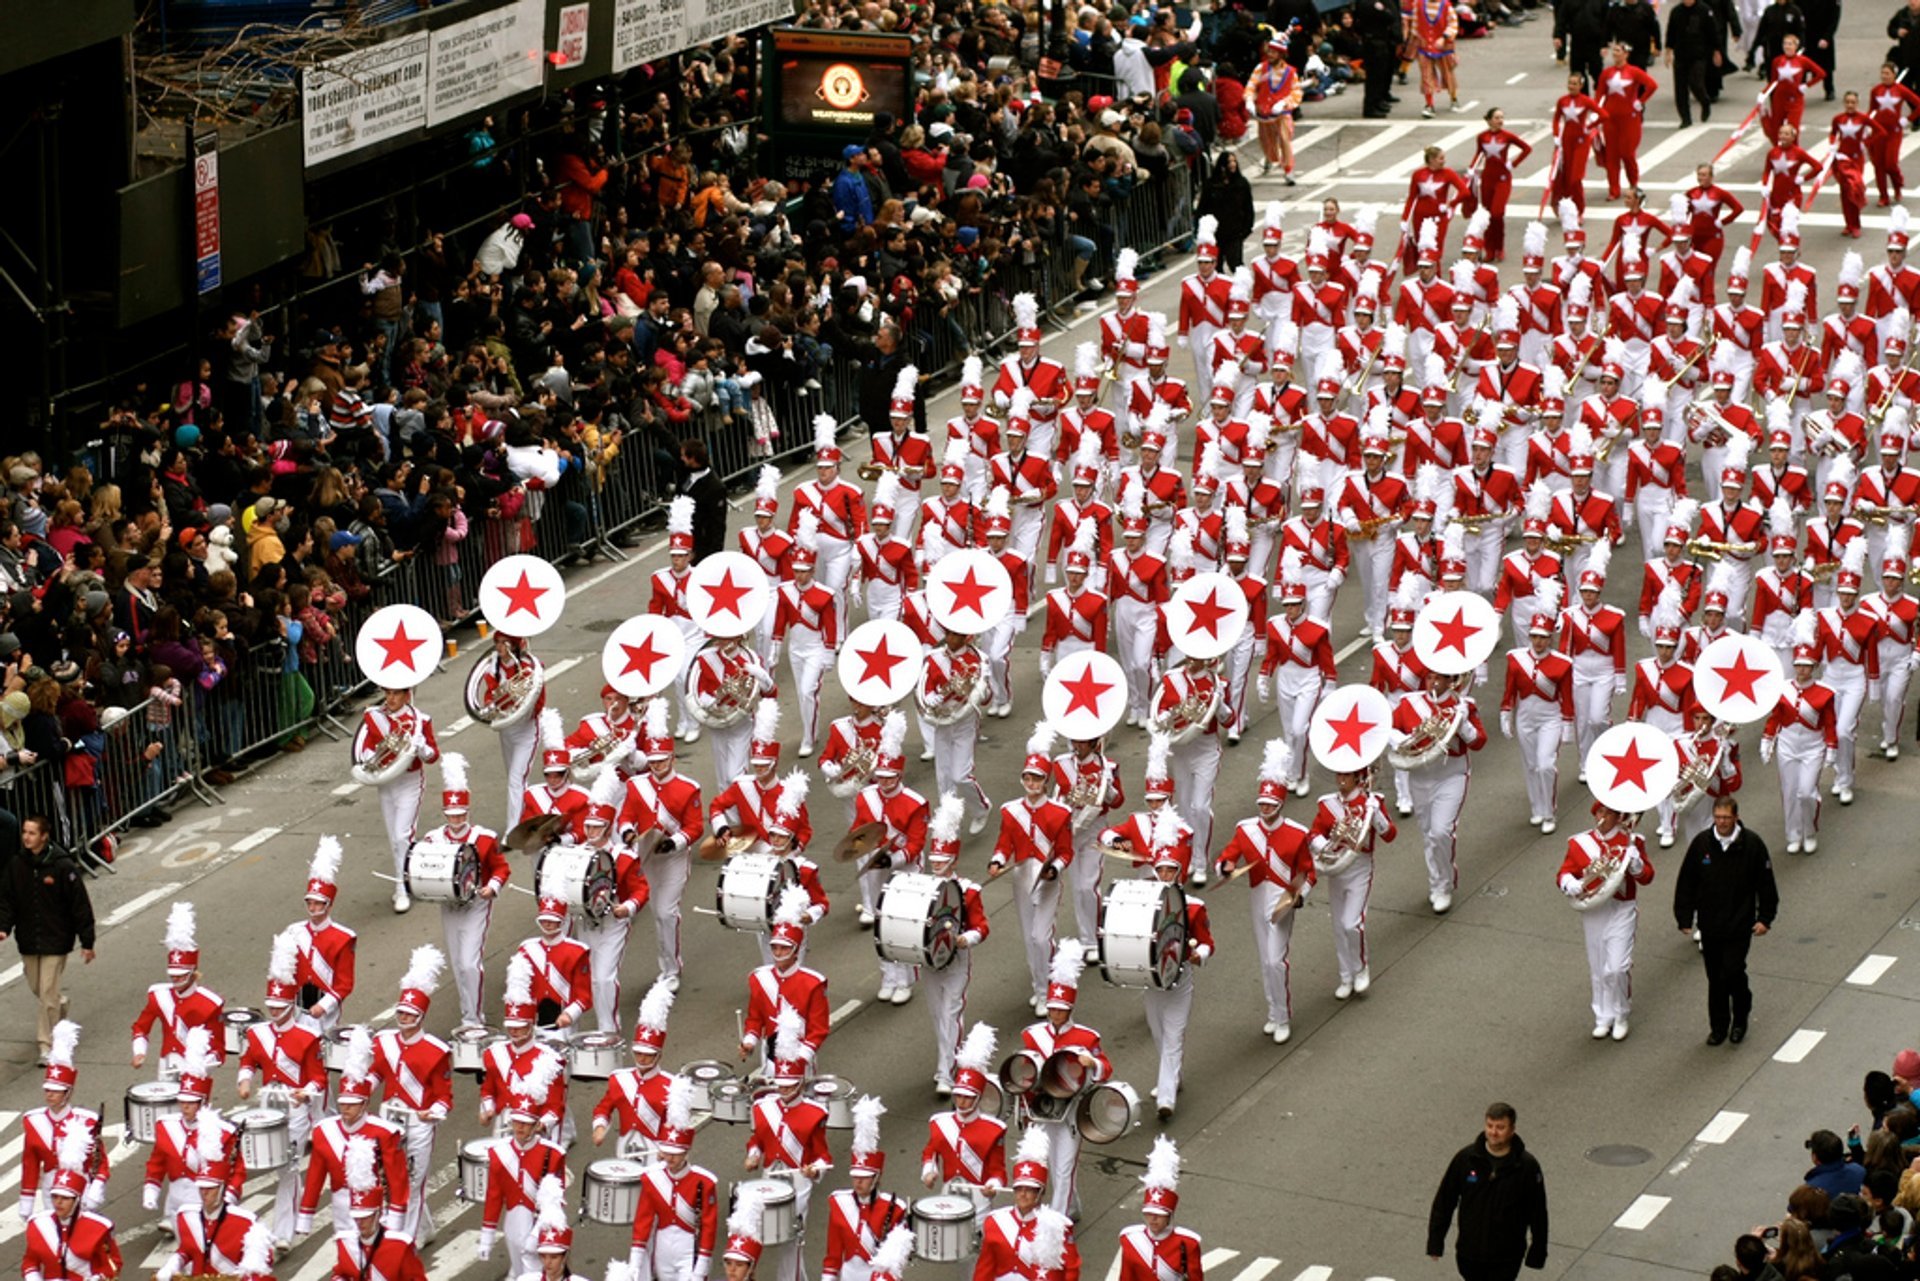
x: 180, y: 1003
x: 1150, y: 1248
x: 675, y: 1222
x: 1277, y: 93
x: 371, y: 1247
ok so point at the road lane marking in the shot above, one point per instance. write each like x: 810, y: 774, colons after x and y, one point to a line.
x: 1516, y: 79
x: 1318, y: 1272
x: 1798, y: 1046
x: 1871, y: 970
x: 1258, y: 1269
x: 1645, y: 1209
x: 1218, y: 1258
x: 1721, y: 1128
x: 346, y: 789
x: 1402, y: 170
x: 844, y: 1012
x: 132, y: 908
x: 452, y: 730
x: 255, y: 841
x: 562, y: 667
x: 1333, y: 169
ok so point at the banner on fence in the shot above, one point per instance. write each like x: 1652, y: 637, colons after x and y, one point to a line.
x: 364, y: 97
x: 647, y: 30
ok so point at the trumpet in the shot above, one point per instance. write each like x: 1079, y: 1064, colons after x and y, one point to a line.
x: 1881, y: 515
x: 1821, y: 573
x: 1564, y: 543
x: 871, y: 471
x: 1369, y: 528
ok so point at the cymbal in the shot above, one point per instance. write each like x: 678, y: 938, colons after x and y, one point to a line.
x: 860, y: 842
x: 713, y: 849
x: 647, y: 842
x: 1124, y: 855
x: 534, y: 833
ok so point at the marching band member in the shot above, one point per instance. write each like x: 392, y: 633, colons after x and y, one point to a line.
x: 283, y: 1052
x: 1709, y: 740
x: 1298, y: 666
x: 65, y: 1241
x: 885, y: 568
x: 1263, y: 501
x: 1036, y: 841
x: 903, y: 452
x: 324, y: 969
x: 371, y: 1247
x: 214, y: 1238
x: 1656, y: 477
x: 556, y: 792
x: 1161, y: 490
x: 978, y: 433
x: 744, y: 1224
x: 1803, y: 731
x: 606, y: 935
x: 808, y: 611
x: 955, y: 685
x: 1676, y: 359
x: 1897, y: 610
x: 789, y: 1134
x: 552, y: 1237
x: 414, y: 1070
x: 1848, y: 639
x: 180, y: 1003
x: 785, y: 984
x: 847, y: 762
x: 512, y: 657
x: 1605, y: 417
x: 1170, y: 1008
x: 1123, y: 332
x: 1537, y: 706
x: 947, y: 986
x: 1087, y: 469
x: 636, y: 1098
x: 1782, y: 478
x: 400, y: 795
x: 508, y: 1063
x: 1781, y: 590
x: 1887, y: 498
x: 45, y: 1131
x: 1077, y: 615
x: 1042, y: 377
x: 1416, y: 552
x: 860, y: 1218
x: 1893, y: 285
x: 948, y: 517
x: 1422, y: 304
x: 1829, y: 536
x: 1203, y: 302
x: 1397, y: 672
x: 1322, y: 543
x: 1609, y: 925
x: 1277, y: 852
x: 1137, y: 582
x: 768, y: 546
x: 838, y: 509
x: 465, y: 924
x: 1537, y: 301
x: 1154, y: 1248
x: 744, y: 806
x: 1028, y: 1240
x: 669, y: 598
x: 1237, y: 552
x: 663, y: 799
x: 1439, y: 783
x: 675, y: 1220
x: 997, y: 641
x: 332, y: 1138
x: 1087, y: 782
x: 1739, y: 332
x: 1372, y: 504
x: 1346, y: 823
x: 1134, y: 834
x: 191, y: 1140
x: 610, y: 734
x: 1594, y: 636
x: 1055, y: 1033
x: 1682, y: 264
x: 1158, y: 387
x: 966, y: 1148
x: 726, y: 678
x: 1663, y: 687
x: 1195, y: 683
x: 1713, y: 616
x: 562, y: 967
x: 521, y: 1167
x: 1027, y: 477
x: 1522, y: 571
x: 1275, y: 276
x: 902, y: 813
x: 1239, y: 355
x: 1673, y: 568
x: 1483, y: 495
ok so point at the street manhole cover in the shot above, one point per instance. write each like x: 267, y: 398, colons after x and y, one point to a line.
x: 1618, y: 1154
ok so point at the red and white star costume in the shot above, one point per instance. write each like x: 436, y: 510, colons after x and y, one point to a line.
x: 1609, y: 926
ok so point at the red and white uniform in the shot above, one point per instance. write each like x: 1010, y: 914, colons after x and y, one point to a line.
x: 1373, y: 506
x: 1145, y: 1257
x: 1536, y: 706
x: 570, y: 802
x: 674, y: 807
x: 805, y: 990
x: 288, y: 1057
x: 79, y: 1249
x: 1897, y: 659
x: 513, y: 1188
x: 323, y: 967
x: 465, y: 924
x: 388, y: 1256
x: 999, y: 1256
x: 1777, y: 598
x: 1349, y: 888
x: 953, y: 744
x: 886, y: 571
x: 1325, y: 557
x: 1170, y: 1009
x: 1439, y: 787
x: 1036, y: 841
x: 327, y: 1171
x: 1587, y: 519
x: 1279, y: 860
x: 1296, y: 669
x: 855, y: 1229
x: 175, y: 1012
x: 417, y: 1075
x: 1609, y: 926
x: 399, y: 796
x: 1801, y: 736
x: 562, y: 977
x: 1163, y: 492
x: 1519, y: 581
x: 208, y: 1246
x: 946, y: 988
x: 789, y: 1137
x: 1047, y: 379
x: 970, y: 1150
x: 41, y: 1129
x: 1063, y: 1138
x: 1203, y: 312
x: 806, y: 625
x: 1849, y: 646
x: 506, y: 1062
x: 842, y: 511
x: 675, y: 1224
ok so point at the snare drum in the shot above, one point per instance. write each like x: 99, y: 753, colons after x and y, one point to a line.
x: 581, y: 877
x: 265, y: 1143
x: 147, y: 1102
x: 333, y: 1048
x: 835, y: 1094
x: 469, y: 1048
x: 595, y: 1056
x: 732, y: 1102
x: 1108, y: 1111
x: 779, y: 1223
x: 1143, y: 934
x: 942, y: 1228
x: 611, y: 1191
x: 234, y: 1025
x: 919, y: 919
x: 473, y: 1170
x: 749, y: 890
x: 706, y: 1074
x: 438, y: 871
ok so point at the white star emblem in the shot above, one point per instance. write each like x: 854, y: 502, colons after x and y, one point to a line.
x: 1428, y: 187
x: 1492, y: 148
x: 1572, y: 113
x: 1617, y: 84
x: 1850, y: 130
x: 1787, y: 73
x: 1703, y: 204
x: 1782, y: 165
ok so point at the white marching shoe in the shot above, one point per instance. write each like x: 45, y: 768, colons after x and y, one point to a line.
x: 1601, y: 1031
x: 1362, y: 981
x: 1343, y: 991
x: 1547, y: 825
x: 1619, y: 1029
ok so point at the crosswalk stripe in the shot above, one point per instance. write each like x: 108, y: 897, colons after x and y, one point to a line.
x: 1217, y: 1258
x: 1258, y: 1269
x: 457, y: 1255
x: 1318, y: 1272
x: 1402, y: 169
x: 1682, y: 140
x: 1333, y: 169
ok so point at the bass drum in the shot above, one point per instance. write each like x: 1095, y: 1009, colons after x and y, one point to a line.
x: 441, y: 872
x: 1108, y: 1112
x: 749, y: 890
x: 611, y: 1191
x: 919, y: 919
x: 1143, y: 934
x: 943, y: 1228
x: 581, y: 877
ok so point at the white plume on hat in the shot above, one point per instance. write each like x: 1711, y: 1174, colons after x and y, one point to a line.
x: 1796, y: 300
x: 893, y: 733
x: 793, y: 794
x: 1427, y: 482
x: 256, y: 1250
x: 553, y: 731
x: 1168, y: 828
x: 1477, y: 224
x: 62, y: 1043
x: 1286, y: 338
x: 1368, y: 291
x: 977, y: 1049
x: 1242, y: 287
x: 1272, y: 218
x: 1026, y: 311
x: 284, y: 956
x: 209, y: 1145
x: 890, y: 1259
x: 792, y: 907
x: 1429, y: 235
x: 955, y: 456
x: 1126, y: 265
x: 1847, y: 365
x: 1677, y: 211
x: 1046, y: 1250
x: 1132, y: 504
x: 1366, y: 218
x: 1237, y: 528
x: 1600, y: 557
x: 1579, y: 440
x: 826, y: 431
x: 1666, y: 610
x: 181, y: 931
x: 1180, y: 550
x: 1069, y: 956
x: 1208, y: 233
x: 1461, y: 274
x: 1086, y: 540
x: 867, y: 1111
x: 357, y: 1063
x: 999, y: 503
x: 1803, y: 625
x: 1742, y: 262
x: 424, y: 969
x: 767, y: 485
x: 1789, y: 220
x: 359, y: 1162
x: 789, y: 1031
x: 1412, y: 590
x: 1653, y: 394
x: 886, y: 492
x: 519, y: 987
x: 906, y: 383
x: 1163, y: 1165
x: 1853, y: 269
x: 551, y: 1198
x: 1842, y: 472
x: 945, y: 823
x: 1553, y: 384
x: 680, y: 1102
x: 806, y: 532
x: 1539, y: 503
x: 1569, y: 214
x: 1681, y: 515
x: 453, y: 772
x: 1276, y: 763
x: 1533, y: 241
x: 196, y: 1056
x: 1739, y: 448
x: 1547, y: 596
x: 766, y: 721
x: 1159, y: 747
x: 1506, y: 313
x: 1041, y: 741
x: 537, y: 1081
x: 1086, y: 360
x: 1780, y: 516
x: 1779, y: 416
x: 656, y: 719
x: 76, y: 1145
x: 1630, y: 243
x: 1033, y: 1147
x: 1721, y: 580
x: 1435, y: 376
x: 655, y: 1007
x: 1453, y: 541
x: 680, y: 515
x: 1157, y: 329
x: 1898, y: 220
x: 1580, y: 292
x: 325, y: 865
x: 1854, y: 558
x: 1020, y: 404
x: 1393, y: 344
x: 748, y: 1216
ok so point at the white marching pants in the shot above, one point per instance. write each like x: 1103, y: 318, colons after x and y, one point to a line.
x: 1592, y: 709
x: 883, y: 599
x: 400, y: 811
x: 1373, y: 558
x: 997, y: 646
x: 1609, y: 928
x: 1652, y: 514
x: 1133, y: 630
x: 1891, y: 688
x: 666, y: 874
x: 1849, y: 696
x: 953, y: 762
x: 1439, y: 793
x: 1239, y: 663
x: 516, y: 1231
x: 1167, y: 1013
x: 946, y: 993
x: 606, y: 941
x: 808, y: 660
x: 1800, y: 792
x: 465, y: 927
x: 1347, y: 893
x: 1321, y: 589
x: 1536, y: 723
x: 1483, y: 558
x: 517, y: 746
x: 1195, y: 764
x: 1272, y: 943
x: 1295, y: 709
x: 289, y: 1178
x: 897, y: 973
x: 732, y: 746
x: 417, y: 1222
x: 1083, y: 878
x: 1037, y: 904
x: 1063, y: 1166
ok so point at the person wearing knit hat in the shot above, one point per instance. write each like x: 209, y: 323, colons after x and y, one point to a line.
x: 212, y: 1235
x: 65, y: 1240
x: 784, y: 984
x: 836, y: 505
x: 788, y: 1137
x: 903, y: 451
x: 608, y: 736
x: 176, y: 1157
x: 1803, y: 732
x: 556, y: 792
x: 946, y: 985
x: 635, y: 1100
x: 510, y: 1060
x: 1148, y: 1248
x: 44, y: 1127
x: 668, y: 1243
x: 396, y: 715
x: 1036, y: 843
x: 327, y: 1151
x: 807, y: 625
x: 181, y: 1002
x: 664, y: 800
x: 371, y: 1247
x: 519, y: 1165
x: 884, y: 552
x: 1170, y: 1008
x: 1055, y: 1033
x: 464, y: 924
x: 1029, y: 1239
x: 283, y: 1051
x: 323, y: 969
x: 860, y: 1218
x: 414, y: 1070
x: 966, y: 1148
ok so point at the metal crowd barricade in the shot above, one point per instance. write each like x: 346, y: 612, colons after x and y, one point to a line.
x: 151, y: 755
x: 37, y: 789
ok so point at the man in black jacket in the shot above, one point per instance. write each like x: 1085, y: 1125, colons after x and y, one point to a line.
x: 709, y: 495
x: 1726, y: 890
x: 1693, y: 47
x: 1381, y: 31
x: 44, y: 907
x: 1502, y: 1198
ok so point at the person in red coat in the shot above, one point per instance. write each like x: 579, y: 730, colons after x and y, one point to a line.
x: 213, y: 1237
x: 967, y: 1148
x: 861, y: 1217
x: 1155, y: 1249
x: 372, y: 1253
x: 1433, y: 193
x: 562, y: 972
x: 1497, y: 151
x: 785, y: 983
x: 788, y: 1137
x: 1894, y: 108
x: 1788, y: 168
x: 1789, y: 76
x: 1623, y: 90
x: 1576, y: 123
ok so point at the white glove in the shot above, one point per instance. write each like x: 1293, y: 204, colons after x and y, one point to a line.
x: 1830, y: 757
x: 150, y: 1197
x: 1405, y: 226
x: 929, y: 1174
x: 1264, y: 687
x: 1335, y: 578
x: 1762, y: 98
x: 1766, y: 751
x: 1180, y: 341
x: 484, y: 1250
x: 1619, y: 686
x: 1046, y: 662
x: 635, y: 1261
x: 1566, y: 732
x: 773, y: 655
x: 26, y: 1208
x: 1626, y: 513
x: 1053, y: 572
x: 95, y: 1196
x: 1506, y: 725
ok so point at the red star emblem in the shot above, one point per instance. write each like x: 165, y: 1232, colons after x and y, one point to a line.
x: 1350, y: 730
x: 399, y: 647
x: 1085, y: 692
x: 1455, y: 635
x: 1631, y: 768
x: 969, y: 593
x: 1207, y: 614
x: 523, y: 595
x: 1741, y: 680
x: 641, y: 658
x: 880, y: 662
x: 724, y: 596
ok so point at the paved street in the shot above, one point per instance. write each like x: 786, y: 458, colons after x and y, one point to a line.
x: 1308, y: 1161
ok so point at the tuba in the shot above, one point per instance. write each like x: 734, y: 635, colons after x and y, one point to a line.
x: 391, y: 755
x: 512, y: 700
x: 1697, y: 775
x: 1429, y: 739
x: 960, y: 693
x: 731, y: 703
x: 1603, y: 878
x: 1344, y: 842
x: 857, y: 770
x: 1196, y: 710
